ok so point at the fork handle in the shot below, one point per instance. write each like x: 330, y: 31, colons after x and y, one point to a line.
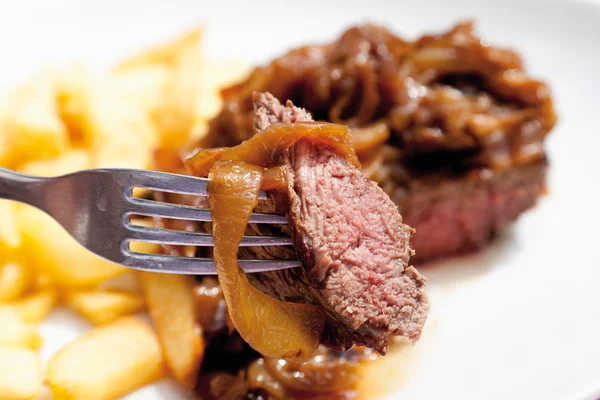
x: 20, y: 187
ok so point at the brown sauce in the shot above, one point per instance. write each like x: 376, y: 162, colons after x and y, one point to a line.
x: 265, y: 148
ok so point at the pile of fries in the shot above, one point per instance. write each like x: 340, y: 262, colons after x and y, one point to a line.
x: 68, y: 119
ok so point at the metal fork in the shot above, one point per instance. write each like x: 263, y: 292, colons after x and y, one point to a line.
x: 95, y: 206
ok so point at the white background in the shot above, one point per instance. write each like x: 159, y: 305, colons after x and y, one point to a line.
x: 520, y: 320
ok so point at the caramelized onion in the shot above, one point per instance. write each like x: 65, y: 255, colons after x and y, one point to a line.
x: 321, y: 374
x: 275, y: 178
x: 328, y: 375
x: 208, y: 296
x: 266, y: 147
x: 431, y: 93
x: 260, y: 379
x: 370, y: 137
x: 224, y: 386
x: 272, y: 327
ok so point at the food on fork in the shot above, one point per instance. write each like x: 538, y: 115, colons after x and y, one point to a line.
x: 450, y: 127
x: 348, y: 234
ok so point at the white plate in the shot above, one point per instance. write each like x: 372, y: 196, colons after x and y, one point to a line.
x: 520, y: 320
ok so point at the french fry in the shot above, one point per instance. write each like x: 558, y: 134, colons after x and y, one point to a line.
x: 124, y: 283
x: 10, y: 237
x: 41, y: 281
x: 71, y: 161
x: 109, y: 114
x: 54, y: 253
x: 20, y: 374
x: 36, y: 307
x: 166, y: 54
x: 31, y: 126
x: 174, y: 115
x: 172, y: 308
x: 143, y: 85
x: 108, y: 362
x: 15, y: 332
x: 100, y: 307
x: 15, y: 279
x: 177, y: 113
x: 144, y: 247
x: 119, y: 132
x: 213, y: 76
x: 71, y: 81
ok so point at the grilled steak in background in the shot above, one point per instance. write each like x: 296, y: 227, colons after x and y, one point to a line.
x: 464, y: 154
x: 354, y: 248
x: 455, y: 214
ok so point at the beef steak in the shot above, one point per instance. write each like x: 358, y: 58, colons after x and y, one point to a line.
x: 354, y: 248
x: 449, y: 101
x: 458, y: 214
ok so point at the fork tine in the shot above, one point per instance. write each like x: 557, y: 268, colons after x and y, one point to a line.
x: 198, y: 266
x: 176, y: 211
x: 183, y: 238
x: 171, y: 183
x: 166, y: 182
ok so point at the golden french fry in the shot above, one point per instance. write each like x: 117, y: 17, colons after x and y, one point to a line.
x: 143, y: 85
x: 10, y: 237
x: 69, y: 79
x: 41, y: 281
x: 15, y: 332
x: 4, y: 144
x: 20, y: 374
x: 54, y: 252
x: 177, y: 113
x: 30, y: 125
x: 165, y: 54
x: 36, y: 307
x: 15, y: 279
x: 71, y: 161
x: 172, y: 308
x: 141, y: 193
x: 110, y: 115
x: 115, y: 156
x: 124, y: 283
x: 101, y: 307
x: 174, y: 113
x: 144, y: 247
x: 215, y: 75
x: 119, y: 132
x: 70, y: 84
x: 108, y: 362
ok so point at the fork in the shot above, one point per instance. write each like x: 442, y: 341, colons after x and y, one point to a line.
x: 95, y: 206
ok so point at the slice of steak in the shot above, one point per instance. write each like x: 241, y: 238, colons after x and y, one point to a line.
x: 354, y: 248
